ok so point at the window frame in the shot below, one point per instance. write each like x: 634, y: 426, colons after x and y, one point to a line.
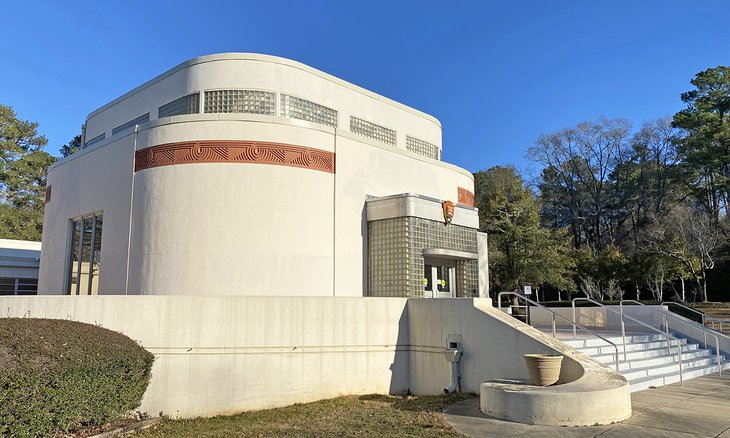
x: 70, y: 269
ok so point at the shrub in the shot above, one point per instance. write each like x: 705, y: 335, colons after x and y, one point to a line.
x: 58, y: 376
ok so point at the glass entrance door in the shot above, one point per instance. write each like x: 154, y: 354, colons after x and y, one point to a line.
x: 439, y: 280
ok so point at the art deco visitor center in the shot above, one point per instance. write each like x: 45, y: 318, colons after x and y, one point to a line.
x: 248, y: 174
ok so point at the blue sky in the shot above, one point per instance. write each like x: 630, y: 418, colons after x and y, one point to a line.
x: 497, y: 74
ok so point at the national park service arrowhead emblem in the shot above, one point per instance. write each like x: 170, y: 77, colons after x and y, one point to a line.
x: 448, y: 208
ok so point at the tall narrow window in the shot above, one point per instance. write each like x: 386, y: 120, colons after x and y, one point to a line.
x: 85, y: 256
x: 74, y: 258
x: 96, y: 257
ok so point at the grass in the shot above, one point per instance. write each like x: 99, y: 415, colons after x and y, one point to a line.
x: 349, y: 416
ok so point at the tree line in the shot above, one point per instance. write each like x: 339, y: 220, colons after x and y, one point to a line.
x: 616, y: 211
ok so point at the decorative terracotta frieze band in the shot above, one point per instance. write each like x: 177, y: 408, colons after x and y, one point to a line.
x: 234, y: 151
x: 465, y: 197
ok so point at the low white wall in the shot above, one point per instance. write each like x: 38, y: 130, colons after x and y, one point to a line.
x: 224, y: 354
x: 494, y: 345
x: 599, y: 317
x: 218, y: 355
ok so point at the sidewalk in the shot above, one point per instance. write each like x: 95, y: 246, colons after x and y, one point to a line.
x: 701, y: 408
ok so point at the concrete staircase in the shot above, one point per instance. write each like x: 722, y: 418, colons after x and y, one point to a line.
x: 648, y: 360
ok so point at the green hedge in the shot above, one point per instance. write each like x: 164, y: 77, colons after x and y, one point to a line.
x: 59, y: 376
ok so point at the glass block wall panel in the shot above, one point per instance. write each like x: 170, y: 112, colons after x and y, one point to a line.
x: 395, y: 256
x: 296, y: 108
x: 388, y: 258
x: 95, y: 140
x: 240, y: 101
x: 422, y: 147
x: 371, y: 130
x: 189, y: 104
x: 144, y: 118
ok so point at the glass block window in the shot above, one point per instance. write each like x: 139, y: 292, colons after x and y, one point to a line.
x: 96, y: 139
x: 130, y: 124
x: 296, y: 108
x: 422, y: 147
x: 240, y: 101
x: 371, y: 130
x: 189, y: 104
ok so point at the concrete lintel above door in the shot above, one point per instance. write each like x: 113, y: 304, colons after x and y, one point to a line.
x: 415, y: 205
x: 447, y: 254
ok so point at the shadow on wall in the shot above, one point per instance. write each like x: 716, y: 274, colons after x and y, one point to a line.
x: 493, y: 347
x: 365, y: 255
x: 399, y: 369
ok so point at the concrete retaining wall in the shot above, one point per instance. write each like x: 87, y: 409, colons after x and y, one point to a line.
x: 225, y: 354
x: 218, y: 355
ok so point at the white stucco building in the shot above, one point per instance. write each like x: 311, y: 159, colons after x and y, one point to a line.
x: 274, y: 228
x: 247, y: 174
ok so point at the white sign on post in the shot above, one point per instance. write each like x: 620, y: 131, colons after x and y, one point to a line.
x: 528, y: 290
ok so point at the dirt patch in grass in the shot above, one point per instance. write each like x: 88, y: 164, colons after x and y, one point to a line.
x: 350, y: 416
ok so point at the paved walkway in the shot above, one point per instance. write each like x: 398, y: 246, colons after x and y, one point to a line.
x: 701, y: 408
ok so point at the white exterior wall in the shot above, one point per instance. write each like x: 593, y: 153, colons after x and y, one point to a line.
x: 99, y: 179
x: 366, y: 169
x: 237, y: 228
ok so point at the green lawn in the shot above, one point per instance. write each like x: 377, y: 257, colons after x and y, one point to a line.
x: 350, y: 416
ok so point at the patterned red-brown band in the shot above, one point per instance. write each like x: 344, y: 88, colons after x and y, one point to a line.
x: 465, y: 197
x: 234, y: 151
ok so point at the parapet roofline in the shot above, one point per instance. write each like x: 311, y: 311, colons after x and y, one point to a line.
x: 264, y: 58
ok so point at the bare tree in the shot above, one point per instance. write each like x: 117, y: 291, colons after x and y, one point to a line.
x: 613, y: 290
x: 689, y: 237
x: 591, y: 288
x: 655, y: 277
x: 578, y: 164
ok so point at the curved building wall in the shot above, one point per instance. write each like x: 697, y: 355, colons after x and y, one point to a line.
x: 237, y: 204
x: 240, y: 71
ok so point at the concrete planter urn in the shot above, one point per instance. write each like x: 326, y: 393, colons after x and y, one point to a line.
x: 544, y: 369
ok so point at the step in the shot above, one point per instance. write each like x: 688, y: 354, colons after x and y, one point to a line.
x: 657, y: 361
x: 597, y: 342
x: 650, y: 359
x: 673, y: 377
x: 636, y: 346
x: 688, y: 351
x: 663, y: 360
x: 668, y: 367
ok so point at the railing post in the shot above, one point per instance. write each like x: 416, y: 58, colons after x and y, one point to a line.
x: 554, y: 331
x: 717, y: 354
x: 623, y: 334
x: 679, y: 361
x: 704, y: 327
x: 575, y: 336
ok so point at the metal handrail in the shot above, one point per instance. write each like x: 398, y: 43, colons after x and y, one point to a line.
x: 702, y: 315
x: 623, y: 332
x: 712, y: 320
x: 575, y: 324
x: 704, y: 329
